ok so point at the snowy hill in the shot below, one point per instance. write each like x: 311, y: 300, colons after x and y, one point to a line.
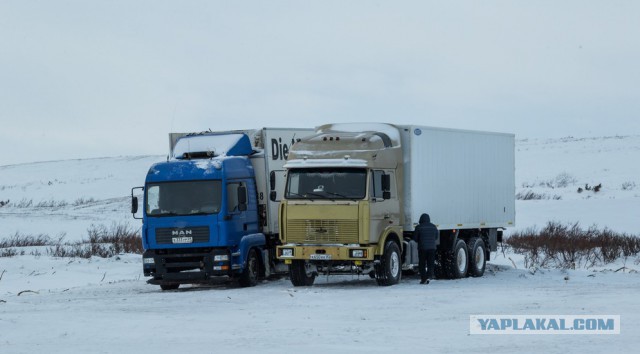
x: 66, y: 197
x: 103, y: 305
x: 557, y: 168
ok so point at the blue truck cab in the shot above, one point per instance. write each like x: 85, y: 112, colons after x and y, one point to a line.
x: 211, y: 209
x: 200, y: 218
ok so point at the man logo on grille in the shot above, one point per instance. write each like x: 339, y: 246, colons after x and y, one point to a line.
x: 181, y: 232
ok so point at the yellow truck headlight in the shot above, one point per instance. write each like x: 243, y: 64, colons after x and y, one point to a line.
x: 286, y: 252
x: 358, y: 253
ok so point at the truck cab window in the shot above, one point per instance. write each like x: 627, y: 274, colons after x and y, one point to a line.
x: 233, y: 201
x: 183, y: 198
x: 376, y: 184
x: 326, y: 183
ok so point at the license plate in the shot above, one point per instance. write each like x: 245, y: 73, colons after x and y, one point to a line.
x: 322, y: 257
x: 182, y: 240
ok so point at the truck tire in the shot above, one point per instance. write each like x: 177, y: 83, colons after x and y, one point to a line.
x: 389, y: 270
x: 249, y: 276
x: 458, y: 262
x: 477, y: 257
x: 299, y: 274
x: 169, y: 286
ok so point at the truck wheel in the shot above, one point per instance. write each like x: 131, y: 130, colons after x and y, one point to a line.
x: 299, y: 274
x: 389, y: 271
x: 477, y: 257
x: 458, y: 262
x: 249, y: 276
x: 169, y: 286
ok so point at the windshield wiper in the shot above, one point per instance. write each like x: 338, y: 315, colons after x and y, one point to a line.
x: 317, y: 195
x: 164, y: 213
x: 300, y: 195
x: 341, y: 196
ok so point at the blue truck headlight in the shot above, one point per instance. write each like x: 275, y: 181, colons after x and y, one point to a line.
x: 148, y: 260
x: 286, y: 252
x: 221, y: 258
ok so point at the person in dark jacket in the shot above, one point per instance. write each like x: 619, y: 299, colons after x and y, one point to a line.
x: 426, y: 235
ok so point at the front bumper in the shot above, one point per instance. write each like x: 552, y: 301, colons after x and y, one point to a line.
x: 186, y: 266
x: 290, y: 252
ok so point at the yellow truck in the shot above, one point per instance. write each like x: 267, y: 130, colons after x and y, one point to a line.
x: 354, y: 194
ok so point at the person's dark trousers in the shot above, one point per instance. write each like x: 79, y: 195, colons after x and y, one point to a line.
x: 431, y: 263
x: 426, y: 264
x: 422, y: 264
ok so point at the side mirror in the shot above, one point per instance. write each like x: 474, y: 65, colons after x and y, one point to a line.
x: 386, y: 186
x: 134, y: 205
x: 134, y: 200
x: 272, y: 180
x: 386, y: 183
x: 242, y: 198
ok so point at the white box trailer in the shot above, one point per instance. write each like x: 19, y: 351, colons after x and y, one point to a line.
x: 463, y: 179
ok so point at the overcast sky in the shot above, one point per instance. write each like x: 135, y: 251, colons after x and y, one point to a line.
x: 108, y: 78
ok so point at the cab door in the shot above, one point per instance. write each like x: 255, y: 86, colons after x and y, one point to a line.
x: 384, y: 203
x: 236, y: 213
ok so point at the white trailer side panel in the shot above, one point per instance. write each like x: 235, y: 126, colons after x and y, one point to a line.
x: 276, y: 143
x: 462, y: 179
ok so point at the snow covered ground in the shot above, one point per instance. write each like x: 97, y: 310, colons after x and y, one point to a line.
x: 65, y: 305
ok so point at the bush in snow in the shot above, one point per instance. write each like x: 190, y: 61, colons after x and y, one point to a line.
x: 83, y: 201
x: 627, y: 186
x: 531, y: 195
x: 52, y: 204
x: 103, y: 242
x: 22, y: 240
x: 28, y: 203
x: 570, y: 246
x: 9, y: 252
x: 562, y: 180
x: 23, y: 203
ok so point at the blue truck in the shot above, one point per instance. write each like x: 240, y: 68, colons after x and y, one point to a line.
x: 211, y: 210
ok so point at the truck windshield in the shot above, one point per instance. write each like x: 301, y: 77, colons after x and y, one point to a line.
x: 183, y: 198
x: 326, y: 183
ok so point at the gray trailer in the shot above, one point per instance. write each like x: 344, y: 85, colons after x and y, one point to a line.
x: 465, y: 180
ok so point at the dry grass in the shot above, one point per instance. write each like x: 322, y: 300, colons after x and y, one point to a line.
x: 570, y: 246
x: 531, y: 195
x: 102, y: 241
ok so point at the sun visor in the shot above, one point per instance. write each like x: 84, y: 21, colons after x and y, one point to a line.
x: 212, y: 145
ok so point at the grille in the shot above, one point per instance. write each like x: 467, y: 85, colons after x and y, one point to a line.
x: 322, y: 231
x: 200, y: 234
